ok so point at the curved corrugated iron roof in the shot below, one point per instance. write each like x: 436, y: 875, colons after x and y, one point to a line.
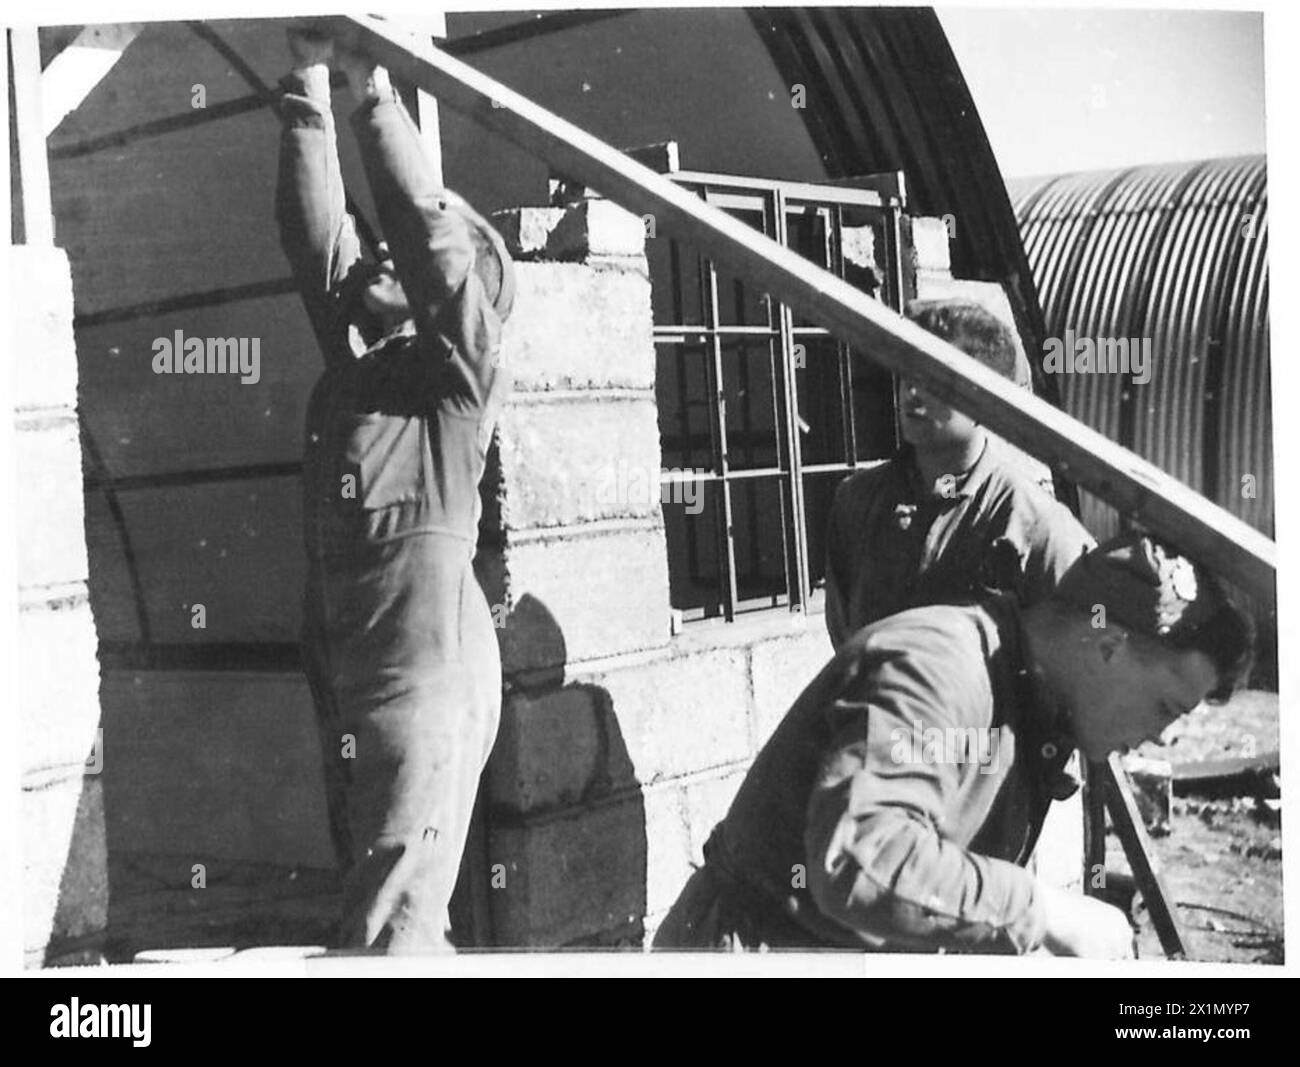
x: 1177, y: 254
x: 891, y: 96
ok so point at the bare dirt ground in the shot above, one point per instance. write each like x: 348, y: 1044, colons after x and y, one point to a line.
x: 1222, y: 858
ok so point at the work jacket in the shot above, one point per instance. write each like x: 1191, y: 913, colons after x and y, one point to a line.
x: 896, y: 803
x: 894, y: 544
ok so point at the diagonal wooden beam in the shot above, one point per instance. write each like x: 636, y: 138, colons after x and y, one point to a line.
x: 1136, y: 487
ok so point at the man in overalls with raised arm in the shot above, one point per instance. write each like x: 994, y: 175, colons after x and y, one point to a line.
x: 398, y: 640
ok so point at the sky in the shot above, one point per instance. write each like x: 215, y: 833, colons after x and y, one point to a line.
x: 1085, y: 89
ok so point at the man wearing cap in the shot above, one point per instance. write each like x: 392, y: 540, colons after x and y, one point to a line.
x: 950, y: 517
x: 398, y: 641
x: 895, y: 805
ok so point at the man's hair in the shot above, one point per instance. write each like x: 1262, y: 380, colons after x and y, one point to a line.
x: 1226, y: 637
x: 972, y: 328
x: 1166, y: 601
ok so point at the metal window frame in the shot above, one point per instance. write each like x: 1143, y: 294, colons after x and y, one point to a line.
x: 775, y: 202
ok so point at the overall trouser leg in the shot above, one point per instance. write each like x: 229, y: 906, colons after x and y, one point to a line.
x: 406, y: 736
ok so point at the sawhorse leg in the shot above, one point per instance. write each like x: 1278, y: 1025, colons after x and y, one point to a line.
x: 1106, y: 786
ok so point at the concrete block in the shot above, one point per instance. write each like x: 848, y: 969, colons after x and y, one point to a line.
x: 40, y: 283
x: 47, y: 817
x: 527, y: 229
x: 64, y: 869
x: 930, y: 243
x: 58, y: 691
x: 633, y: 726
x: 707, y: 801
x: 595, y: 228
x: 555, y: 749
x: 668, y: 845
x: 581, y: 595
x: 565, y: 879
x: 49, y: 505
x: 580, y: 327
x: 580, y: 460
x: 660, y: 721
x: 782, y: 668
x: 681, y: 714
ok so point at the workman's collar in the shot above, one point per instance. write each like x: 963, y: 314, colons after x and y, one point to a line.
x: 1047, y: 723
x: 965, y: 484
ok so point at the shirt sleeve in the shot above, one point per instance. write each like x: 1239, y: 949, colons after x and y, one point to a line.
x: 1057, y: 541
x: 879, y: 862
x: 433, y: 253
x: 316, y: 232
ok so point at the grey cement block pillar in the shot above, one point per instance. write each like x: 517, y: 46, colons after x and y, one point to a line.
x: 65, y: 884
x: 580, y: 571
x: 578, y: 575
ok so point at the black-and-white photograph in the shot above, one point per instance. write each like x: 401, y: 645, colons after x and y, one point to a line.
x: 661, y: 484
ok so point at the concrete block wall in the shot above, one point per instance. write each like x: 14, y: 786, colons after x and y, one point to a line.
x: 606, y: 782
x: 621, y: 745
x: 65, y: 896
